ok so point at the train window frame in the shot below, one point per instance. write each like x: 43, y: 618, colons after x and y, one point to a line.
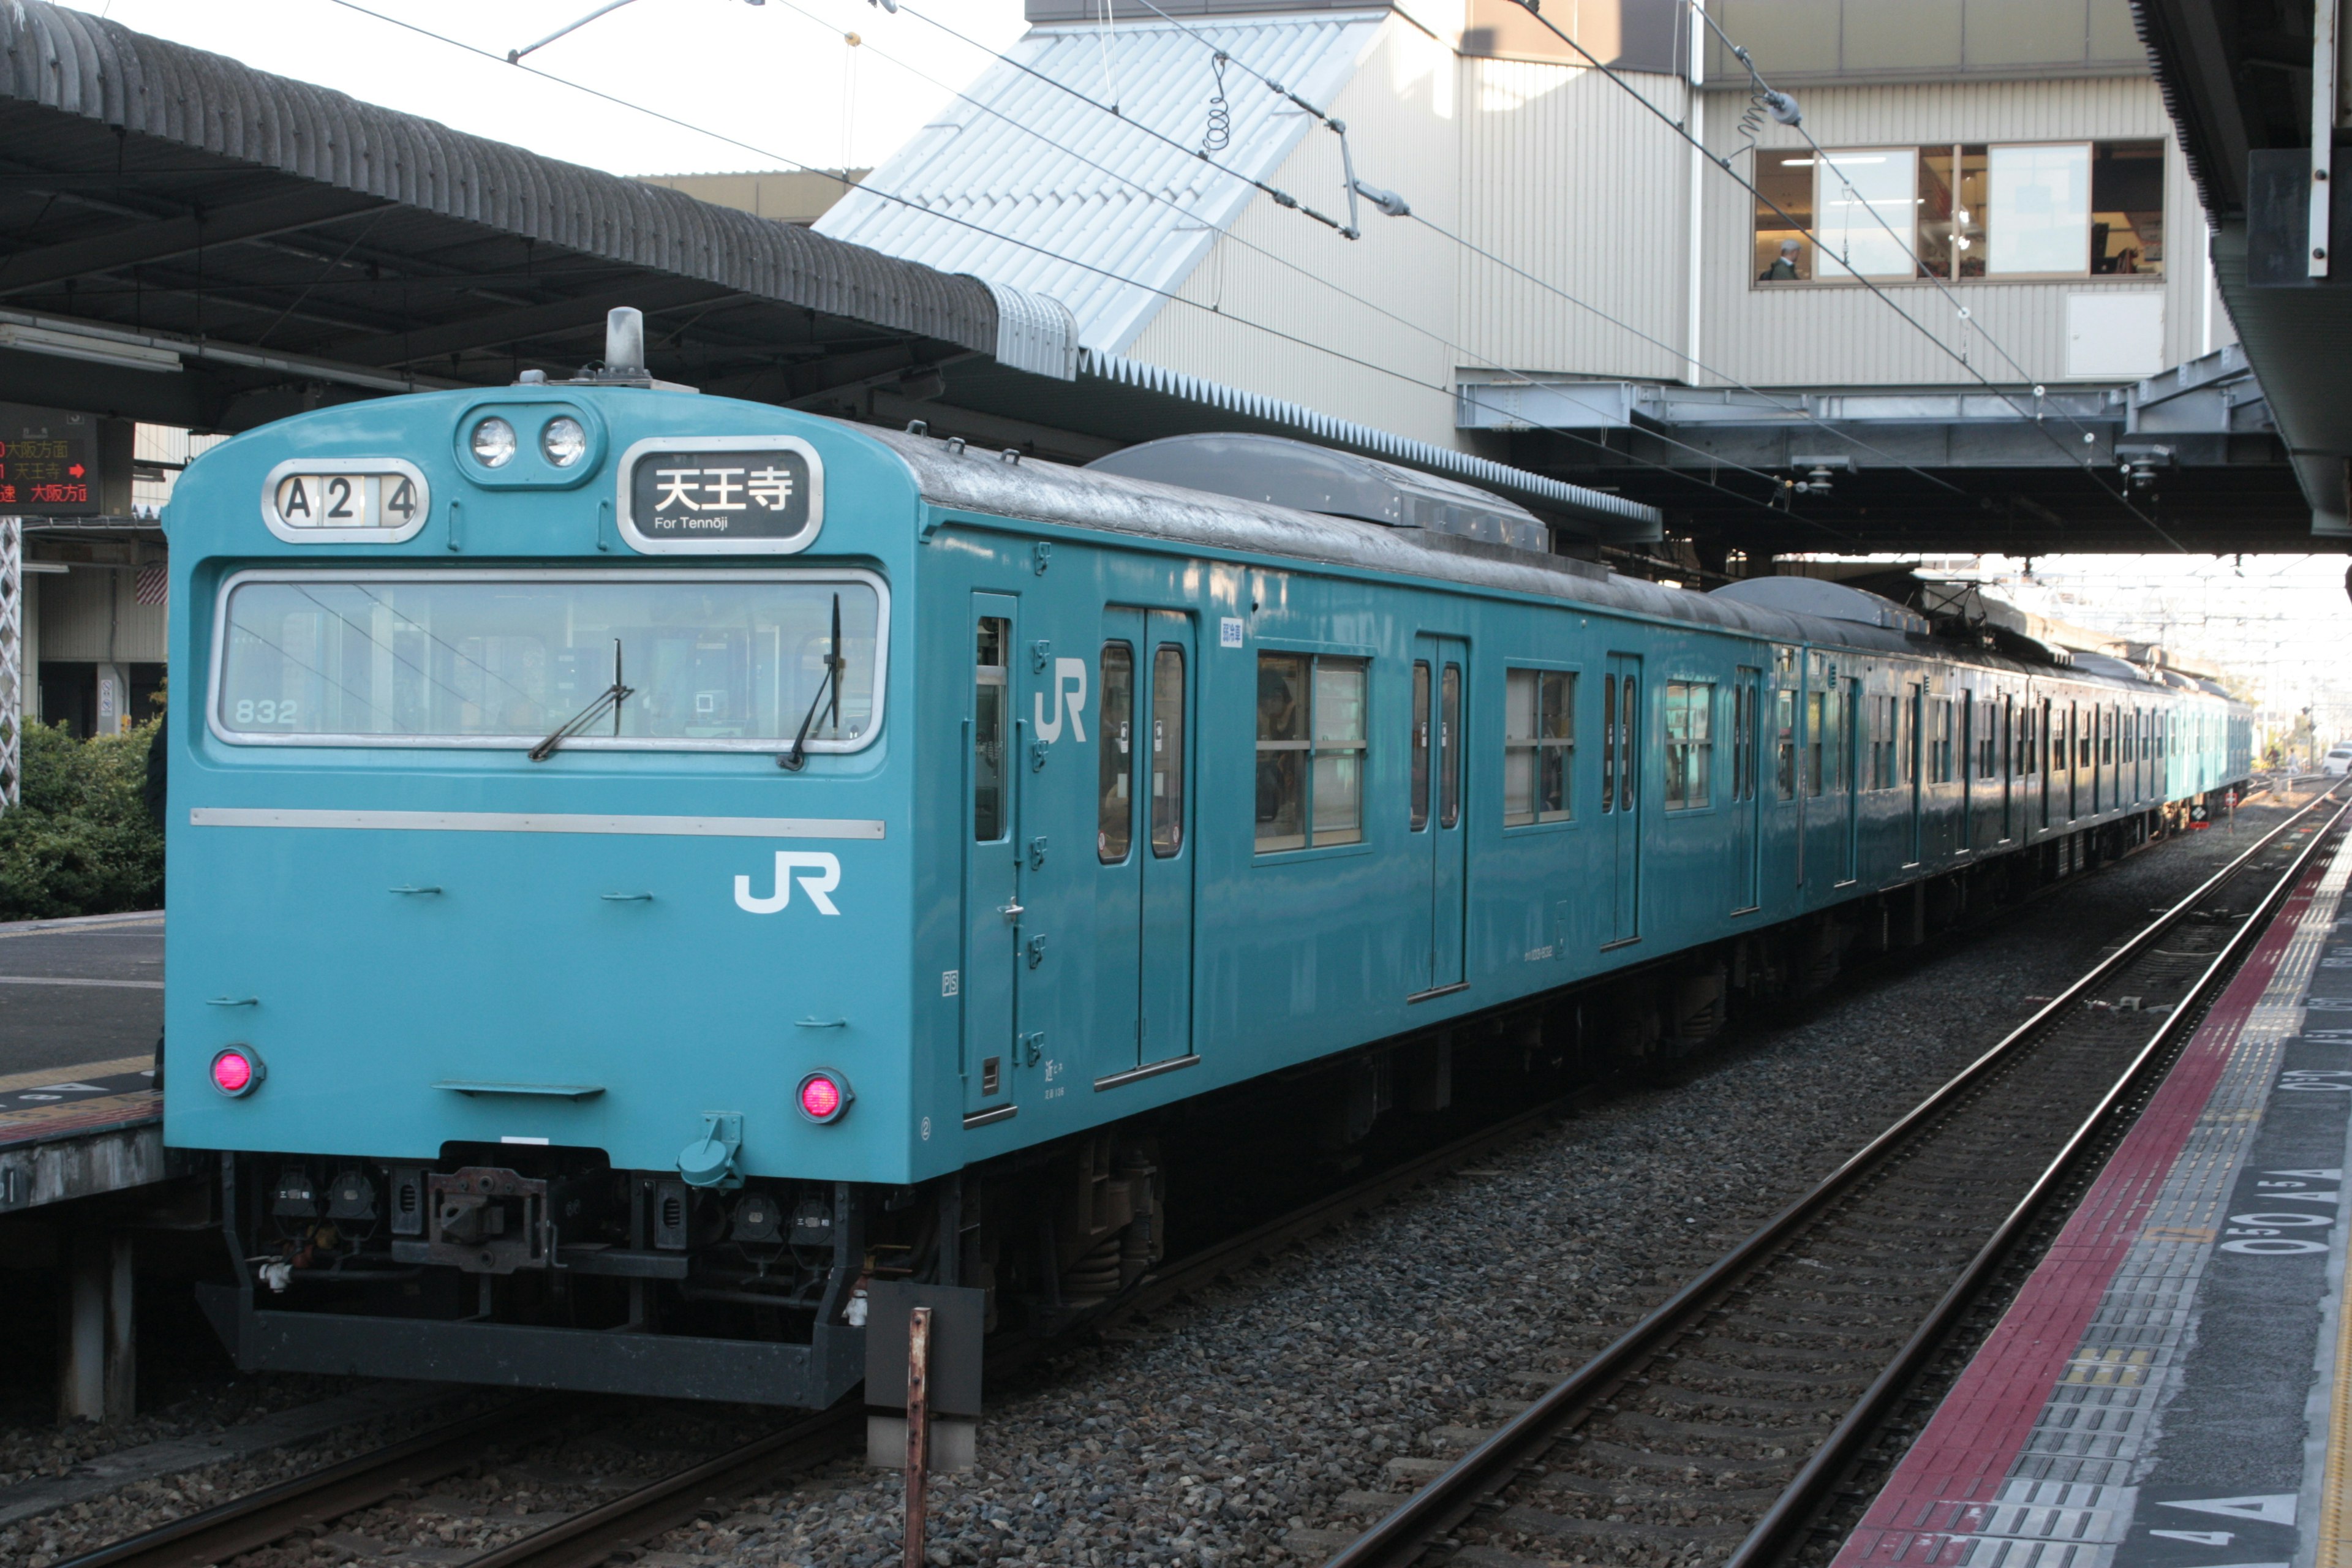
x: 1533, y: 746
x: 1784, y: 743
x: 1689, y: 757
x: 215, y: 692
x: 1314, y: 656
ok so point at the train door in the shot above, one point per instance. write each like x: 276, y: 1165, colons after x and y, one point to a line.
x: 2073, y: 761
x: 2046, y: 753
x: 1621, y: 794
x: 1439, y: 704
x: 986, y: 983
x: 1143, y: 850
x: 1846, y: 738
x: 1915, y: 740
x: 1747, y: 699
x: 2007, y: 759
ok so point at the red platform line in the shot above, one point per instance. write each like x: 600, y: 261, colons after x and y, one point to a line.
x: 1941, y: 1493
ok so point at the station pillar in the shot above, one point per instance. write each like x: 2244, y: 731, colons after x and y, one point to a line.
x: 98, y: 1370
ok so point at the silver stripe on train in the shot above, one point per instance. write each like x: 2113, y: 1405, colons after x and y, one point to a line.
x: 540, y: 822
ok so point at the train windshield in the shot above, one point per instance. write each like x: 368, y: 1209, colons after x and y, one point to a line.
x: 733, y: 661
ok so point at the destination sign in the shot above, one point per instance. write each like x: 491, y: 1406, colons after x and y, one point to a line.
x: 48, y: 462
x: 760, y: 498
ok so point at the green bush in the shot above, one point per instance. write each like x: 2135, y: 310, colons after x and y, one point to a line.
x: 80, y: 842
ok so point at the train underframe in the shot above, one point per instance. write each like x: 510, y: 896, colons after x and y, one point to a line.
x: 545, y: 1268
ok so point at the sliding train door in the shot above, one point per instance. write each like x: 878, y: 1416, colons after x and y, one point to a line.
x: 1143, y: 842
x: 1440, y: 673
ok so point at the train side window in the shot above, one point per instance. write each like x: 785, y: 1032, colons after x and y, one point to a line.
x: 1942, y: 758
x: 1690, y: 743
x: 1115, y: 776
x: 1310, y: 751
x: 1338, y: 784
x: 1420, y: 744
x: 1539, y: 745
x: 1449, y: 746
x: 2107, y: 736
x: 1167, y: 750
x: 988, y: 719
x: 1784, y: 744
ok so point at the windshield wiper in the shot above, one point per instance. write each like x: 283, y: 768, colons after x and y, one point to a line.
x: 608, y: 700
x: 830, y: 681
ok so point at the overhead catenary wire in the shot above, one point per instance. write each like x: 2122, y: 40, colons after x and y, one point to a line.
x: 1772, y: 481
x: 1218, y: 52
x: 1532, y: 7
x: 842, y: 178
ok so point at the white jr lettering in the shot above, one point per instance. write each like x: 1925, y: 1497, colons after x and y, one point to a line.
x: 820, y: 874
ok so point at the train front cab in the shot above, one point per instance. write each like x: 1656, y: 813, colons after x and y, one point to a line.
x: 540, y: 861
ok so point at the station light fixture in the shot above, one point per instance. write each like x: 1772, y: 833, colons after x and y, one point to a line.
x: 89, y: 346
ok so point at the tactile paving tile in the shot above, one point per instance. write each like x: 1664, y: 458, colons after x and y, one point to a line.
x: 2027, y: 1462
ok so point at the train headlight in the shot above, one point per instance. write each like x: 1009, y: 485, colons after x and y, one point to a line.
x: 824, y: 1096
x: 494, y: 443
x: 562, y: 442
x: 237, y: 1071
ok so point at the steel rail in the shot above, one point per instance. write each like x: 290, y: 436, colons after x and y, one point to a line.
x: 658, y: 1507
x: 1805, y: 1493
x: 307, y: 1502
x: 1412, y: 1526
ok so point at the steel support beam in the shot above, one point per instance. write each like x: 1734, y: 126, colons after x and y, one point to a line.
x: 163, y: 238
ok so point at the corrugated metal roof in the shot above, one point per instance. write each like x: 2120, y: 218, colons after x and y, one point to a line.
x: 985, y: 190
x: 82, y: 65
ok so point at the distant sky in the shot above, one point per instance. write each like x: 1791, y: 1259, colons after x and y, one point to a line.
x: 779, y: 77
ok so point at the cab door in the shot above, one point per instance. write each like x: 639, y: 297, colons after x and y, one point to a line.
x: 991, y: 864
x: 1143, y: 842
x: 1440, y: 672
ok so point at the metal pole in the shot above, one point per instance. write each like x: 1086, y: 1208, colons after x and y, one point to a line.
x: 918, y: 1365
x: 12, y: 660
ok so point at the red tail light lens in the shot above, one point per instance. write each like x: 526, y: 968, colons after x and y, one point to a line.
x: 823, y: 1096
x: 235, y: 1071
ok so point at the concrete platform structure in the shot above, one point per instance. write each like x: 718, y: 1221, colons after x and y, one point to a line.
x: 2173, y: 1386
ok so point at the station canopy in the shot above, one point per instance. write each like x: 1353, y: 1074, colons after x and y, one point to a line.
x: 188, y: 241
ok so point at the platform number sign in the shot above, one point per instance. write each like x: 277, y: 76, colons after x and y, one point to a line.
x: 368, y: 500
x: 762, y: 495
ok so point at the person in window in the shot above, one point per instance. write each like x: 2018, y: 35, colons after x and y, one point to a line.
x: 1784, y: 265
x: 1277, y: 718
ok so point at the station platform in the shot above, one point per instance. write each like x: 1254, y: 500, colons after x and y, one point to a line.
x: 81, y: 1003
x: 2172, y: 1388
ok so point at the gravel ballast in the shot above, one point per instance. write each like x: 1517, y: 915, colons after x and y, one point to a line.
x: 1274, y: 1415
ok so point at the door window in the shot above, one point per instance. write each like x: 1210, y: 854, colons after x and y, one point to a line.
x: 988, y: 719
x: 1114, y: 792
x: 1627, y: 776
x: 1420, y: 744
x: 1690, y: 742
x: 1449, y: 746
x: 1167, y: 751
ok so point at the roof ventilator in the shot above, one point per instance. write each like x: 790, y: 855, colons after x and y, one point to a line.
x: 1307, y: 477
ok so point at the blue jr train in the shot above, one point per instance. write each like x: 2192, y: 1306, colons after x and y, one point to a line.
x: 647, y: 869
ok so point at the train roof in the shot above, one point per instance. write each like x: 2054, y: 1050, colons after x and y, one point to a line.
x: 953, y: 475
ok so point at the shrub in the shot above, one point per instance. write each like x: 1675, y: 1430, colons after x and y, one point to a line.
x: 80, y: 842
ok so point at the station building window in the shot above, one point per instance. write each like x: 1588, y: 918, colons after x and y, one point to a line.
x: 1539, y: 745
x: 1690, y: 742
x: 1960, y: 211
x: 1310, y: 751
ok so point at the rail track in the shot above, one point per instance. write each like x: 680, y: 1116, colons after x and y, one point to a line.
x: 1719, y: 1428
x: 1783, y: 1386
